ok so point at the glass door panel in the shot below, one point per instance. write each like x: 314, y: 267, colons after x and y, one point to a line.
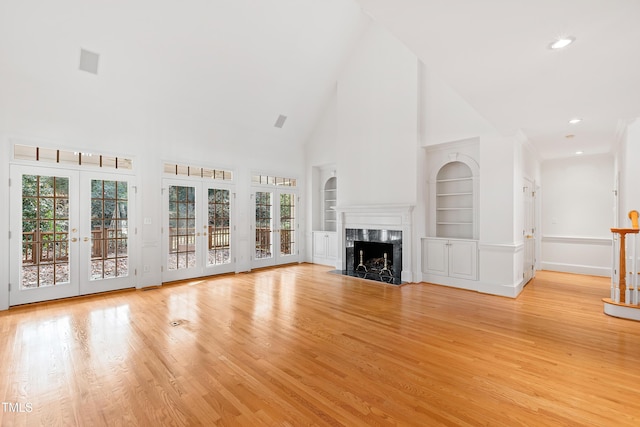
x: 275, y: 228
x: 45, y: 231
x: 181, y: 228
x: 218, y: 230
x: 264, y: 226
x: 43, y: 234
x: 70, y: 233
x: 218, y: 245
x: 106, y: 237
x: 199, y: 224
x: 287, y: 224
x: 109, y: 231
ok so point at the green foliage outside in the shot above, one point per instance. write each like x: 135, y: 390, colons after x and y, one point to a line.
x: 45, y: 203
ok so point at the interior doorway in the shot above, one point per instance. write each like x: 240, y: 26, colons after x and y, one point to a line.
x: 529, y: 230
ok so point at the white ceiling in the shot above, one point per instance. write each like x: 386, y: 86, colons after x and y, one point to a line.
x: 495, y: 54
x: 235, y: 63
x: 245, y: 62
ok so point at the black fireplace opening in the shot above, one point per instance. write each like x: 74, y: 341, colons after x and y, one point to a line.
x: 374, y: 255
x: 373, y: 258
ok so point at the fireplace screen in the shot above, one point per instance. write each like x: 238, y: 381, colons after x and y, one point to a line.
x: 374, y: 254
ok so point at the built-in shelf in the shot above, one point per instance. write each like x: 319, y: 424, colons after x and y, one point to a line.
x: 454, y: 201
x: 454, y: 179
x: 329, y: 199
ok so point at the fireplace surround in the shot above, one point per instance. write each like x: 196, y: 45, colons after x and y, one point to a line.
x: 374, y: 254
x: 362, y: 227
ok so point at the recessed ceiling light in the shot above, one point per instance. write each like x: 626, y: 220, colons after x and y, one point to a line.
x: 574, y: 121
x: 562, y: 42
x: 579, y: 152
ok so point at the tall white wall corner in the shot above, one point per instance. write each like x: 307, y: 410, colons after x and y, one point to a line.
x: 500, y: 269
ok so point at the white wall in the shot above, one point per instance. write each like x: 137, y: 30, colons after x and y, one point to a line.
x: 500, y: 246
x: 321, y: 149
x: 377, y: 122
x: 629, y: 172
x: 369, y: 130
x: 577, y: 213
x: 444, y: 115
x: 150, y: 142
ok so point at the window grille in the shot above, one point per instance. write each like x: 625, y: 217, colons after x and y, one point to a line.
x: 198, y: 172
x: 273, y: 180
x: 66, y: 157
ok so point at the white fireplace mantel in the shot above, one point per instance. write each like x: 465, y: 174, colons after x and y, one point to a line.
x: 378, y: 217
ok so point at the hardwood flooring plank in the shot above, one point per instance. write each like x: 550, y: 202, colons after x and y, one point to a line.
x: 297, y: 346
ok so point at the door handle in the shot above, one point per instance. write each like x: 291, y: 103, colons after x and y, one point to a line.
x: 74, y: 239
x: 86, y: 239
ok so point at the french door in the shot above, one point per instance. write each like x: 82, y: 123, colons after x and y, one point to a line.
x: 70, y: 233
x: 275, y: 228
x: 198, y: 229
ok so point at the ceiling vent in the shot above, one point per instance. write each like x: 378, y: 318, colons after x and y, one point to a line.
x: 280, y: 122
x: 89, y: 61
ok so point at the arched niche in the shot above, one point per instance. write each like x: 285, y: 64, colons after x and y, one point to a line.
x: 454, y: 198
x: 329, y: 203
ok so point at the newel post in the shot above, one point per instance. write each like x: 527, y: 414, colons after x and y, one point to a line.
x: 622, y: 284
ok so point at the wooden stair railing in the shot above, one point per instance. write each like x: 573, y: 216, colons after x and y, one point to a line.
x: 622, y: 232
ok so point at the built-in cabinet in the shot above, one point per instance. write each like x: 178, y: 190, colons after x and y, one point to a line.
x: 450, y: 257
x: 450, y: 250
x: 325, y: 239
x: 325, y: 247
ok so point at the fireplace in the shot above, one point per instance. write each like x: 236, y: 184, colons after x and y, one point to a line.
x: 374, y: 254
x: 376, y: 230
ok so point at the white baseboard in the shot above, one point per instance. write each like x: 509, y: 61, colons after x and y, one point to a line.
x: 510, y: 291
x: 502, y: 290
x: 590, y: 270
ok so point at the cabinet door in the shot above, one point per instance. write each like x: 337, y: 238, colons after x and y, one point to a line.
x: 435, y: 256
x: 319, y: 245
x: 332, y: 245
x: 463, y: 259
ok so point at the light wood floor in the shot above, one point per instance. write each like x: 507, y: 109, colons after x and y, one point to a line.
x: 299, y: 346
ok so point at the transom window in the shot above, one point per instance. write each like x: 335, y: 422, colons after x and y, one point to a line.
x: 273, y: 180
x: 66, y: 157
x: 198, y: 172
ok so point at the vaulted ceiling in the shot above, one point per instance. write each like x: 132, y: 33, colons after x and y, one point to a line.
x: 241, y: 63
x: 495, y: 54
x: 246, y: 62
